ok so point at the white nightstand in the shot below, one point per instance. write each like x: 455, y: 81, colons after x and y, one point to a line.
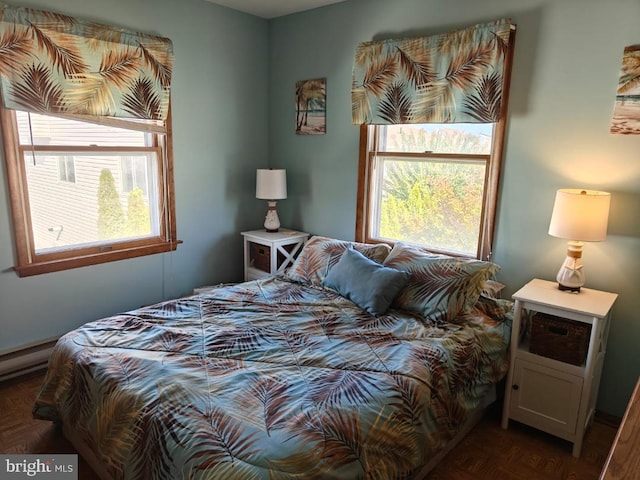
x: 551, y: 395
x: 268, y: 253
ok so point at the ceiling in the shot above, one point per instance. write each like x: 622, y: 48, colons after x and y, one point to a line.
x: 273, y: 8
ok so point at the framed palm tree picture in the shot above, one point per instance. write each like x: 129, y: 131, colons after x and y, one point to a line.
x: 311, y: 96
x: 626, y: 113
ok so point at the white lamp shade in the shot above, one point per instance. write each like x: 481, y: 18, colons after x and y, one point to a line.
x: 580, y: 215
x: 271, y: 184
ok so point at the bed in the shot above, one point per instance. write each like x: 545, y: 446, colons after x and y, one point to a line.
x: 326, y: 372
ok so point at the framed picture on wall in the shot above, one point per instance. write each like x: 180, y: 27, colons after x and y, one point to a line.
x: 311, y: 97
x: 626, y: 113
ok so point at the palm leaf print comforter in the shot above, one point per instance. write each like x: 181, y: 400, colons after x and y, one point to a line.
x: 271, y: 379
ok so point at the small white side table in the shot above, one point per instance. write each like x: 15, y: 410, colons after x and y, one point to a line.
x: 556, y: 397
x: 269, y: 253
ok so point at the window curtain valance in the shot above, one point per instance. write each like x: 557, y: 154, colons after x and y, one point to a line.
x: 58, y: 65
x: 455, y: 77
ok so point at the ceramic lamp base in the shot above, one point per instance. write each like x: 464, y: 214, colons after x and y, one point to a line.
x: 571, y: 274
x: 271, y: 221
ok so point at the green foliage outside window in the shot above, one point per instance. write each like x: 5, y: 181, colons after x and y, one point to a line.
x: 111, y: 221
x: 435, y: 204
x: 138, y: 217
x: 432, y: 201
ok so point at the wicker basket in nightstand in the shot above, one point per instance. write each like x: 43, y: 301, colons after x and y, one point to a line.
x: 559, y: 338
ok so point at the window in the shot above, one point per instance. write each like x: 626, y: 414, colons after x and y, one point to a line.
x: 134, y: 173
x: 66, y: 169
x: 430, y: 161
x: 121, y: 205
x: 430, y: 184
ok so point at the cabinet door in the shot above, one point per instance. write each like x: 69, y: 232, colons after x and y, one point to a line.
x: 545, y: 398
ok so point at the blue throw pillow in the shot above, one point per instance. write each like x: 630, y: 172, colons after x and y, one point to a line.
x: 365, y: 282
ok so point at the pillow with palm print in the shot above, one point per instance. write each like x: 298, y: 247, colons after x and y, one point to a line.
x: 441, y: 287
x: 321, y: 253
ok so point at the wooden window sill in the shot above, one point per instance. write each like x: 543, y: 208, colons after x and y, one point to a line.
x: 37, y: 268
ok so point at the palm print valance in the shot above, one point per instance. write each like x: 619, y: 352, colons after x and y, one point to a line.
x: 455, y: 77
x: 56, y: 64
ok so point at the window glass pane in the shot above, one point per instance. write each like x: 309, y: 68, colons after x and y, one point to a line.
x: 127, y: 173
x: 134, y: 173
x: 433, y: 202
x: 66, y: 169
x: 45, y: 130
x: 95, y: 208
x: 474, y: 138
x: 62, y: 169
x: 140, y: 171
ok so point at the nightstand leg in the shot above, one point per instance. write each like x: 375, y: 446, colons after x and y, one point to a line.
x: 577, y: 446
x: 515, y: 338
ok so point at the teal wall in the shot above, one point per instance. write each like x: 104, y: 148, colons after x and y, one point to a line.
x: 219, y: 106
x: 233, y: 112
x: 565, y: 72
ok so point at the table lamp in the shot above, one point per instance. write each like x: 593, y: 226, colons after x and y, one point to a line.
x: 271, y: 185
x: 579, y: 216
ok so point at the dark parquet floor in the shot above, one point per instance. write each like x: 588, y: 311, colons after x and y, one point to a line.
x: 487, y: 453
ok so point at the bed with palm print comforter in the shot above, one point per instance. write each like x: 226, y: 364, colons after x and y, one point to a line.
x: 269, y: 379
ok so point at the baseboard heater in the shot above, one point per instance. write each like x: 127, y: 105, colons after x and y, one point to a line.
x: 25, y: 359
